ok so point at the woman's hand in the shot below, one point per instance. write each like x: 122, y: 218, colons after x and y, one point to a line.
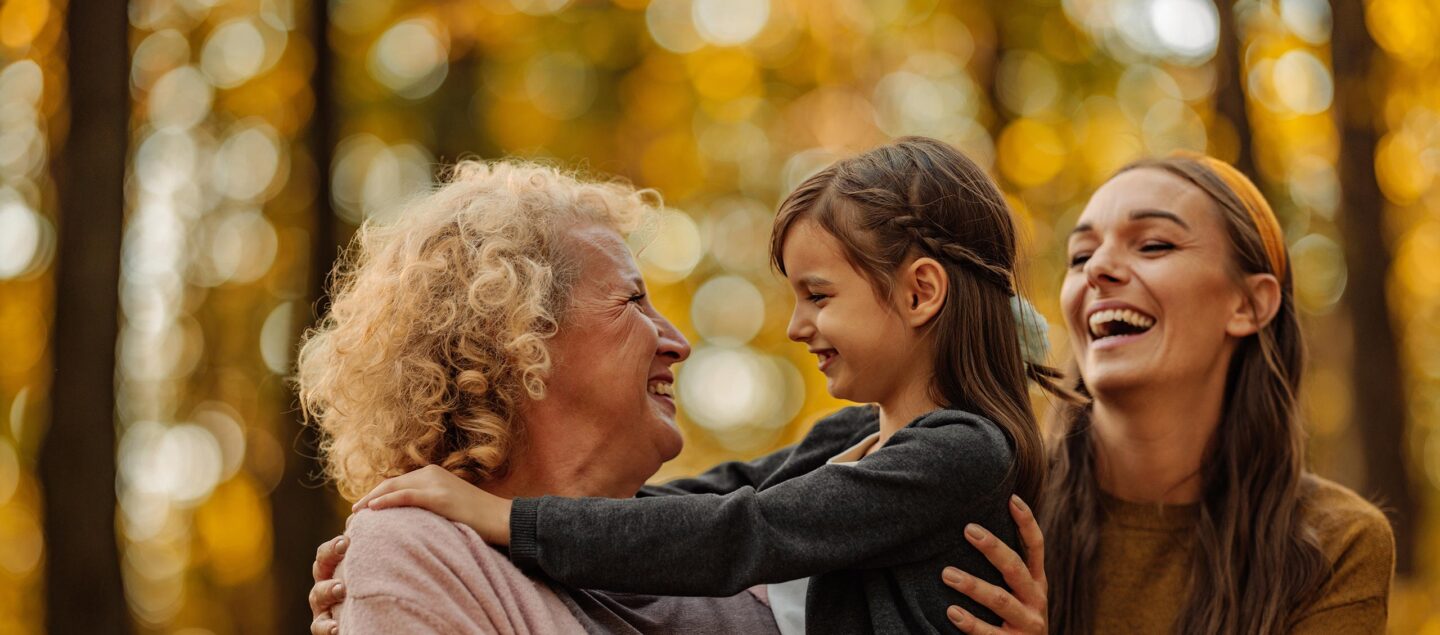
x: 327, y: 592
x: 1023, y: 607
x: 436, y: 489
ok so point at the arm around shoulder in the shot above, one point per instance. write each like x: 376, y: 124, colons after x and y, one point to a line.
x: 919, y: 487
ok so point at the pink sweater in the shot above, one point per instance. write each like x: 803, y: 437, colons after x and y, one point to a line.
x: 412, y: 571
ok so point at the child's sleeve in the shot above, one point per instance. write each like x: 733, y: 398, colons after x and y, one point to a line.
x: 725, y: 477
x: 906, y: 502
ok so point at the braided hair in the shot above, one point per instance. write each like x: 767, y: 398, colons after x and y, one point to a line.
x: 920, y: 198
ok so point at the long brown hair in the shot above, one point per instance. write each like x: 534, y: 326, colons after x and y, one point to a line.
x: 919, y: 196
x: 1255, y: 560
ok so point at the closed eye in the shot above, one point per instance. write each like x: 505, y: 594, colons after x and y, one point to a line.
x: 816, y: 297
x: 1079, y: 259
x: 1156, y: 247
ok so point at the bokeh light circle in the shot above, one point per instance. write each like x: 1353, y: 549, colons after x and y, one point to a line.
x: 1030, y: 152
x: 181, y: 98
x: 256, y: 146
x: 276, y: 339
x: 738, y: 231
x: 729, y: 22
x: 182, y: 462
x: 675, y: 251
x: 234, y: 52
x: 1302, y: 82
x: 1189, y: 30
x: 1320, y: 273
x: 726, y: 388
x: 727, y: 310
x: 411, y: 58
x: 672, y: 26
x: 26, y: 238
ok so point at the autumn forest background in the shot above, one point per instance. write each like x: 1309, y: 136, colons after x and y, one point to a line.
x: 178, y: 176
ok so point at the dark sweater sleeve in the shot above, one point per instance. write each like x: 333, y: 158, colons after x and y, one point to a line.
x: 725, y: 477
x: 907, y: 501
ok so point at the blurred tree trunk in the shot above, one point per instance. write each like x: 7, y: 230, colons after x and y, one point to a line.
x: 83, y: 591
x: 302, y: 508
x: 1230, y: 86
x: 1379, y: 405
x: 988, y: 76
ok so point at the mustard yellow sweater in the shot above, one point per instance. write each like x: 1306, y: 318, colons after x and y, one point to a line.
x: 1145, y: 557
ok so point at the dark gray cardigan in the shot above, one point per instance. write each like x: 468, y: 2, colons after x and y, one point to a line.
x: 872, y: 536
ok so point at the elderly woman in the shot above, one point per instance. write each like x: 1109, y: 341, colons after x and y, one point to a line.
x: 498, y: 330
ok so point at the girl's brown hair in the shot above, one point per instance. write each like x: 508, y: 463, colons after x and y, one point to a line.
x: 920, y: 197
x: 1255, y: 559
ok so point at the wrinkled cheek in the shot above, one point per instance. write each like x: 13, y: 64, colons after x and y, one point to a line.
x: 633, y: 344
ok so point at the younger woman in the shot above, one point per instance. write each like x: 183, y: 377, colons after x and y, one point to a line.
x: 1178, y: 498
x: 901, y: 260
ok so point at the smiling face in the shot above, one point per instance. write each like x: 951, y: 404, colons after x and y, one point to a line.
x: 610, y: 389
x: 864, y: 347
x: 1150, y: 298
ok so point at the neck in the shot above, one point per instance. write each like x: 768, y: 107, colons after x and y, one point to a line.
x: 1151, y: 442
x: 899, y: 410
x: 530, y: 476
x: 523, y: 480
x: 561, y: 460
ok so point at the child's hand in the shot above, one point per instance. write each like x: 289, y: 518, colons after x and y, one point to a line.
x: 436, y: 489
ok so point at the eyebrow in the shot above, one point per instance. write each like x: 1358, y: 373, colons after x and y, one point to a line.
x: 1158, y: 213
x: 813, y: 280
x: 628, y: 283
x: 1139, y: 214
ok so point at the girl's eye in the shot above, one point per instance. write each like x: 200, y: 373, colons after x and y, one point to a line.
x: 1156, y: 247
x: 816, y: 298
x: 1079, y: 259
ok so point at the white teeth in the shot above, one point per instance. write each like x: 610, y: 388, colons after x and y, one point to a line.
x: 662, y: 388
x: 1100, y: 320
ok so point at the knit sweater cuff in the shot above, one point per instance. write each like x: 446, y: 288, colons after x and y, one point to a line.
x: 524, y: 549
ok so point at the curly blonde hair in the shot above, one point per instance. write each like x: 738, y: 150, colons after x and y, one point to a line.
x: 438, y: 327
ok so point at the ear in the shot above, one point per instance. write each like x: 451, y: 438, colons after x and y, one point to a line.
x: 1253, y: 313
x: 923, y: 285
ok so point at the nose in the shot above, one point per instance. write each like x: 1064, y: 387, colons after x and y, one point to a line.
x: 673, y: 344
x: 1106, y: 268
x: 800, y: 328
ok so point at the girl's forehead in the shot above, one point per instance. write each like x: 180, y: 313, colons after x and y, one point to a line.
x: 806, y: 241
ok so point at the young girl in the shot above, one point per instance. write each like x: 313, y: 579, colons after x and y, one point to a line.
x: 902, y: 261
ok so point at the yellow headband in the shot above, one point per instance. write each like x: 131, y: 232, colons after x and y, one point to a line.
x: 1260, y: 213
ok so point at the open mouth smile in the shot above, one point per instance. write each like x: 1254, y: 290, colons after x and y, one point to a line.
x: 1118, y: 324
x: 662, y: 390
x: 826, y: 357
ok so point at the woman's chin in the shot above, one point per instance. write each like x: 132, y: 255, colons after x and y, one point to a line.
x: 669, y: 442
x: 1111, y: 378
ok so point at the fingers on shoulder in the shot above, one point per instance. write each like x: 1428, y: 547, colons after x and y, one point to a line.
x: 968, y: 623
